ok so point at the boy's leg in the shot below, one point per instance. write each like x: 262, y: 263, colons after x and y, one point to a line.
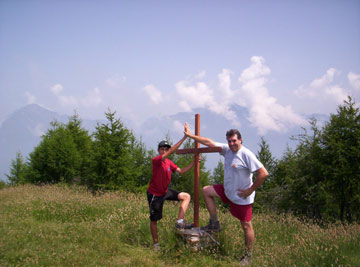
x: 154, y: 231
x: 155, y: 206
x: 184, y: 204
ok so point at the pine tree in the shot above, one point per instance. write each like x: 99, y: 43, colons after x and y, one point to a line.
x: 63, y: 155
x: 341, y: 147
x: 17, y: 170
x: 115, y: 161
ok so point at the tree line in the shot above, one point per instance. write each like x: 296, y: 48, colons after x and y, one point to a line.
x: 319, y: 179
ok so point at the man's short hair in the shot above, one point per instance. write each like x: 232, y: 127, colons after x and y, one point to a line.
x: 232, y: 132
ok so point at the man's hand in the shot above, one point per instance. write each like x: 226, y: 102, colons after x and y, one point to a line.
x: 186, y: 129
x: 244, y: 193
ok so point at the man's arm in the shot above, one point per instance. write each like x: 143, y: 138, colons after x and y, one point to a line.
x: 202, y: 140
x: 262, y: 173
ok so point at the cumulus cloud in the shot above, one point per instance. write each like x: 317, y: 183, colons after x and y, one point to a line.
x: 264, y: 112
x: 323, y: 94
x: 38, y: 130
x: 354, y: 80
x: 200, y: 95
x: 91, y: 99
x: 56, y: 89
x: 153, y: 93
x: 323, y: 88
x: 30, y: 99
x: 178, y: 126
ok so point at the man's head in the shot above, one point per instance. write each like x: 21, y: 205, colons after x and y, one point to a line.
x: 163, y: 147
x: 234, y: 139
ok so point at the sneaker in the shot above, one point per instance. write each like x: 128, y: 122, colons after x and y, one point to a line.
x: 212, y: 227
x: 246, y: 259
x: 184, y: 225
x: 156, y: 247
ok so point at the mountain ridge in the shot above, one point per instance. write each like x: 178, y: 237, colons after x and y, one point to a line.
x: 22, y: 131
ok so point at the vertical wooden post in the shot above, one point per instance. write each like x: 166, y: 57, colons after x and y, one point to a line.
x: 196, y: 173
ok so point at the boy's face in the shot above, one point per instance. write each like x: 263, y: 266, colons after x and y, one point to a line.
x: 162, y: 150
x: 234, y: 143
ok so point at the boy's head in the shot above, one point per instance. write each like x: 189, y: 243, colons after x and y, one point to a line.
x: 163, y: 147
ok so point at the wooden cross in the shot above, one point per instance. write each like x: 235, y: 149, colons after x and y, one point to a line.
x: 196, y: 151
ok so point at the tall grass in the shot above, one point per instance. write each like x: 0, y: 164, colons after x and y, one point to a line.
x: 68, y: 226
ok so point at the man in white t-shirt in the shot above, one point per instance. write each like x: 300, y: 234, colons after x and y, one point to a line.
x: 238, y: 189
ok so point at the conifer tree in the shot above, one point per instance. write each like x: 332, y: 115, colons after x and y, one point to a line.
x: 17, y: 170
x: 341, y: 148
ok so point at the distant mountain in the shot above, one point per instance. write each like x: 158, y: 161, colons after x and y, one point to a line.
x: 215, y: 126
x: 23, y: 129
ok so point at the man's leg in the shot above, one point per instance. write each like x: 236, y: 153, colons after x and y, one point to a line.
x: 184, y: 204
x: 209, y: 193
x: 249, y: 235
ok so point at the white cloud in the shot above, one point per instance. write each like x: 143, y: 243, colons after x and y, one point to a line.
x: 325, y: 80
x: 337, y: 93
x: 38, y: 130
x: 354, y: 80
x: 30, y: 99
x: 322, y: 95
x: 92, y: 99
x: 196, y: 96
x: 178, y: 126
x: 318, y: 86
x: 265, y: 113
x: 225, y: 83
x: 68, y: 101
x: 154, y: 93
x: 200, y: 95
x: 56, y: 89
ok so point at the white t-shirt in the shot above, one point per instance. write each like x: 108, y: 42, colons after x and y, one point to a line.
x: 238, y: 172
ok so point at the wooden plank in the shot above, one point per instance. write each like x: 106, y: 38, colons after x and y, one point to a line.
x: 199, y: 150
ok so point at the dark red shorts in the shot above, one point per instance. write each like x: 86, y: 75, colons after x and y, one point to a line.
x: 242, y: 212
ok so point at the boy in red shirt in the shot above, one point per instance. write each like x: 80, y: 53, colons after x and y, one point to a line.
x: 158, y: 190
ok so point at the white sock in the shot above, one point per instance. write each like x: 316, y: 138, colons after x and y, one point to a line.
x: 180, y: 220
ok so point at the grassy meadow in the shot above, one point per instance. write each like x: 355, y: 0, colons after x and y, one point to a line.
x: 68, y: 226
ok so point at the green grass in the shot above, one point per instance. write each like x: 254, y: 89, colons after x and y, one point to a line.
x: 68, y: 226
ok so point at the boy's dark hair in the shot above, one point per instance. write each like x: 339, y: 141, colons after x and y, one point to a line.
x: 232, y: 132
x: 164, y: 144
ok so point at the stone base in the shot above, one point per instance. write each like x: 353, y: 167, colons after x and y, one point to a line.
x: 196, y: 239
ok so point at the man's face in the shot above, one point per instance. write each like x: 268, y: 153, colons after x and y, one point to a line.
x: 162, y: 150
x: 234, y: 143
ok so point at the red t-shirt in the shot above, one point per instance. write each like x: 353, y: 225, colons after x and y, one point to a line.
x: 161, y: 175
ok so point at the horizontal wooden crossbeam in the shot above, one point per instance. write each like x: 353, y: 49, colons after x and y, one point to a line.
x: 199, y: 150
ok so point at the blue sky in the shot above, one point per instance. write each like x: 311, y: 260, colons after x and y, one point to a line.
x: 279, y: 59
